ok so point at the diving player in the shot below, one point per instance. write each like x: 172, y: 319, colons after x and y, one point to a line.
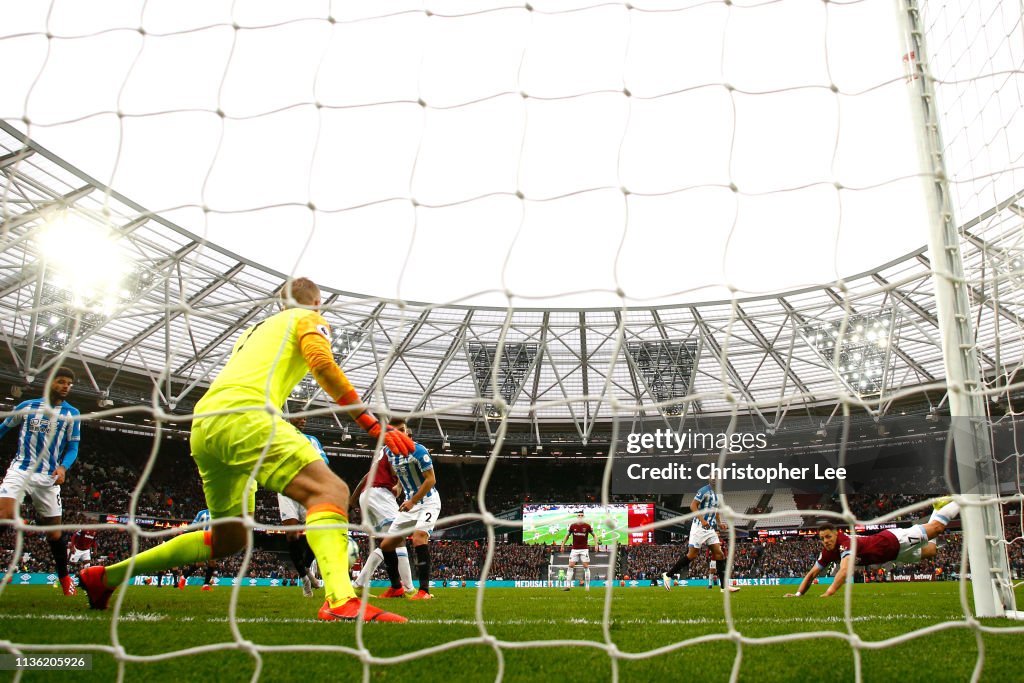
x: 908, y: 546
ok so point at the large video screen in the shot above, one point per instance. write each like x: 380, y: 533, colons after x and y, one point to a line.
x: 548, y: 523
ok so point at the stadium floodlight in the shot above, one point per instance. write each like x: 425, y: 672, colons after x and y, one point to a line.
x: 863, y: 359
x: 85, y: 259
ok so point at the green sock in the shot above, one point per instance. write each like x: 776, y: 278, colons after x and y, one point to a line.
x: 331, y: 549
x: 177, y: 552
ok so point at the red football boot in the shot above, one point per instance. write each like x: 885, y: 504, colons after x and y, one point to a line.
x: 349, y: 611
x: 392, y: 593
x: 420, y: 595
x: 67, y: 585
x: 92, y: 580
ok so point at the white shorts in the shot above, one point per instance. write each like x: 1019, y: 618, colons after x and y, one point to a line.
x: 912, y: 541
x: 422, y: 517
x: 379, y: 508
x: 45, y: 494
x: 290, y: 509
x: 576, y: 556
x: 80, y: 556
x: 700, y: 536
x: 711, y: 565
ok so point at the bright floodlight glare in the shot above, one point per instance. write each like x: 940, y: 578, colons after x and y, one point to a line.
x: 84, y: 258
x: 862, y: 353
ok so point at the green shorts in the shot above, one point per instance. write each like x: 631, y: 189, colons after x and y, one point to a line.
x: 227, y: 448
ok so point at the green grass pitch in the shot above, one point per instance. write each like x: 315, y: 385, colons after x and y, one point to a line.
x: 159, y: 620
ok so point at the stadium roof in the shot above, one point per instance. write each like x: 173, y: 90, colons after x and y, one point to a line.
x: 178, y: 303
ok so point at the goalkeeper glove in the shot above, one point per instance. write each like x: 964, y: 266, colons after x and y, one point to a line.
x: 396, y: 441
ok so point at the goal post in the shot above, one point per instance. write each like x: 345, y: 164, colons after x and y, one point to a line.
x: 991, y: 581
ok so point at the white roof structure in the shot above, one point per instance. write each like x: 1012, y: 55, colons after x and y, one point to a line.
x: 162, y: 330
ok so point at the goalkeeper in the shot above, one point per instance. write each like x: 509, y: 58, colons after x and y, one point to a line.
x: 266, y: 363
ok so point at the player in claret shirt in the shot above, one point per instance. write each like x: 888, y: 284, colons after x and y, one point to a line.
x: 379, y: 505
x: 81, y: 545
x: 908, y: 546
x: 580, y: 532
x: 417, y: 515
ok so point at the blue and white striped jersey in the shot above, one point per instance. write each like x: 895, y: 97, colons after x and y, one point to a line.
x: 319, y: 449
x: 706, y: 499
x: 46, y: 441
x: 202, y: 517
x: 410, y: 469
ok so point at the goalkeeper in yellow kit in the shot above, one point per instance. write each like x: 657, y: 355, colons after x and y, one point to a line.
x: 237, y: 431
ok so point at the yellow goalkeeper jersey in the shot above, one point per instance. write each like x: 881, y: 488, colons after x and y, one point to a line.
x: 266, y: 362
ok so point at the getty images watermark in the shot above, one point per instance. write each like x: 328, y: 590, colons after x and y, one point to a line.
x: 669, y: 468
x: 911, y: 454
x: 808, y: 460
x: 668, y: 441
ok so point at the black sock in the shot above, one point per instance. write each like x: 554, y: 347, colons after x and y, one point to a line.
x: 720, y: 570
x: 209, y: 575
x: 307, y: 553
x: 682, y: 563
x: 391, y: 565
x: 60, y: 555
x: 423, y: 566
x: 297, y: 552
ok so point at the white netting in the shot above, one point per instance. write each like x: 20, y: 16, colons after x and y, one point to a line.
x: 543, y: 161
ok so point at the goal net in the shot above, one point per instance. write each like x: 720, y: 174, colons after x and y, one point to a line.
x: 555, y: 237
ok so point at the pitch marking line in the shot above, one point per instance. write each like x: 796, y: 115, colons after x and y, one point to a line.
x: 574, y: 621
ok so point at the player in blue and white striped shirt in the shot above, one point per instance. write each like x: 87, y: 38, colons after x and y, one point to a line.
x: 703, y: 531
x: 47, y: 447
x: 418, y: 513
x: 202, y: 517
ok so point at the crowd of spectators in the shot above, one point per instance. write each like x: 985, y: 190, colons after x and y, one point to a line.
x: 867, y: 507
x: 108, y: 470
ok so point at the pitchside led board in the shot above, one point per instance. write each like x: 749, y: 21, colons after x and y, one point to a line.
x: 549, y: 523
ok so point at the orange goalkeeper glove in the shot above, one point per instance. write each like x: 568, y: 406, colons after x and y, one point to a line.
x: 396, y: 441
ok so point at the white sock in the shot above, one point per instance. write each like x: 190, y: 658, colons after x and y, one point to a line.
x: 945, y: 513
x: 366, y: 573
x: 404, y: 570
x: 568, y: 574
x: 586, y: 576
